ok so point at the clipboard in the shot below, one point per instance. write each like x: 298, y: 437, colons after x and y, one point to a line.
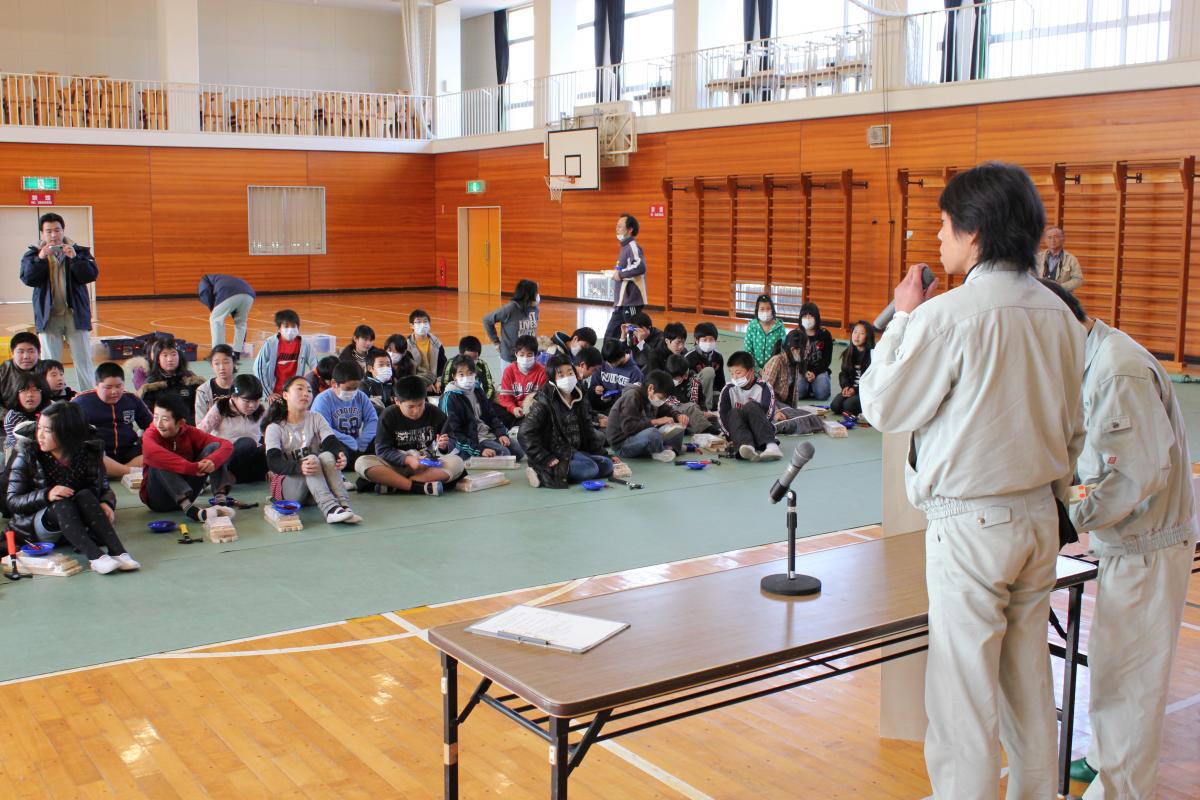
x: 543, y: 627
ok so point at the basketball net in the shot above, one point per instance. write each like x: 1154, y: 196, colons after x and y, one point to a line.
x: 556, y: 184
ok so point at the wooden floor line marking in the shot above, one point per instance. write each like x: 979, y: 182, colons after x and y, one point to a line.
x: 569, y: 587
x: 1180, y: 705
x: 278, y: 651
x: 260, y: 636
x: 416, y: 630
x: 654, y: 771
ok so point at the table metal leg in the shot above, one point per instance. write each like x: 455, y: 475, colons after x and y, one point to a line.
x: 560, y: 758
x: 450, y: 726
x: 1070, y: 671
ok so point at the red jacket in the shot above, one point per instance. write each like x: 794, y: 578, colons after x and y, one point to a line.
x: 515, y: 385
x: 180, y: 454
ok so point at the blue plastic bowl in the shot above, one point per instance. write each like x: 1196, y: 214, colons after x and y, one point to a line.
x: 285, y: 506
x: 38, y: 548
x: 161, y: 526
x: 696, y: 464
x: 594, y: 486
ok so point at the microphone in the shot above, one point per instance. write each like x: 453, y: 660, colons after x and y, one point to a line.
x: 885, y: 316
x: 800, y: 456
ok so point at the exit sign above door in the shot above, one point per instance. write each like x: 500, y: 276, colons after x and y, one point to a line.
x: 476, y: 187
x: 35, y: 183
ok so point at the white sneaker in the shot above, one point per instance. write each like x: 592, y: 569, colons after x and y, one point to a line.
x: 338, y: 514
x: 348, y: 486
x: 125, y: 563
x: 670, y: 429
x: 212, y: 512
x: 532, y: 476
x: 104, y: 564
x: 748, y: 452
x: 771, y: 453
x: 665, y: 456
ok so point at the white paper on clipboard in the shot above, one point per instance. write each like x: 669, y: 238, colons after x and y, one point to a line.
x: 542, y: 626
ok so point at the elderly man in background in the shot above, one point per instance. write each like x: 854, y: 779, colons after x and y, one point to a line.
x: 1057, y: 264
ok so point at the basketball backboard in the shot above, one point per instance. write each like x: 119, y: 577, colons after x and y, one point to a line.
x: 576, y: 153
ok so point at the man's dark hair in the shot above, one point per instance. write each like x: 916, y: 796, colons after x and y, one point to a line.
x: 24, y: 337
x: 589, y: 357
x: 471, y: 344
x: 741, y: 359
x: 374, y: 354
x: 409, y: 388
x: 347, y: 371
x: 286, y: 315
x: 1000, y: 204
x: 674, y: 330
x: 704, y: 329
x: 631, y: 224
x: 1071, y: 301
x: 614, y: 350
x: 172, y: 403
x: 526, y: 342
x: 585, y: 335
x: 418, y: 313
x: 364, y: 332
x: 641, y: 320
x: 50, y: 217
x: 461, y: 361
x: 661, y: 381
x: 325, y: 367
x: 677, y: 365
x: 221, y: 350
x: 109, y: 369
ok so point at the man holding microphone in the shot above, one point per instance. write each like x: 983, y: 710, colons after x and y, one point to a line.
x: 986, y: 377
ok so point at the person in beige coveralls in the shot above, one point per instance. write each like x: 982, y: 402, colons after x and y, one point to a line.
x: 987, y: 378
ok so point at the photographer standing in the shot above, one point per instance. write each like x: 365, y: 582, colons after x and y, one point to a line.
x: 59, y: 271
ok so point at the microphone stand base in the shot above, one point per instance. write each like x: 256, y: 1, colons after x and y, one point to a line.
x: 791, y: 587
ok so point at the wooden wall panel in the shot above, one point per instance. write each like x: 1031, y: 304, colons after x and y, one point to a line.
x: 378, y: 209
x: 199, y: 211
x: 115, y: 182
x: 736, y: 150
x: 530, y: 222
x: 451, y: 173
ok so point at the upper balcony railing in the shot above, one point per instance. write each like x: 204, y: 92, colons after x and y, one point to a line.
x: 999, y: 39
x: 70, y: 101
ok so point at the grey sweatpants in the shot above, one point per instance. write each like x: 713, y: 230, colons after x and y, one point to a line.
x: 325, y: 488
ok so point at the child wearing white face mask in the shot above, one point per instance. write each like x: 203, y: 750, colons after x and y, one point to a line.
x: 746, y: 409
x: 518, y: 317
x: 558, y: 435
x: 379, y: 383
x: 285, y: 355
x: 472, y: 426
x: 707, y: 363
x: 764, y: 333
x: 348, y: 411
x: 521, y: 379
x: 427, y: 351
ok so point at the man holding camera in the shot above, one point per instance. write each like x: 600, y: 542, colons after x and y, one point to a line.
x: 59, y: 271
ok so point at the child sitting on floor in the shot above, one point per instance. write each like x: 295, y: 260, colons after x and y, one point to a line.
x: 685, y: 395
x: 320, y: 375
x: 379, y: 384
x: 26, y: 350
x: 746, y: 409
x: 55, y: 376
x: 617, y: 372
x: 284, y: 355
x: 304, y: 455
x: 361, y: 343
x: 557, y: 433
x: 429, y: 357
x: 224, y: 365
x: 707, y: 363
x: 403, y: 364
x: 764, y: 333
x: 168, y: 374
x: 522, y: 378
x: 179, y: 459
x: 238, y: 418
x: 472, y: 426
x: 639, y: 424
x: 31, y: 399
x: 471, y: 346
x: 114, y: 413
x: 348, y: 411
x: 58, y: 487
x: 409, y: 431
x: 855, y: 361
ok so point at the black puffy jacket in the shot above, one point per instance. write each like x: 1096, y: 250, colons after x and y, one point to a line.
x: 28, y: 483
x: 553, y: 430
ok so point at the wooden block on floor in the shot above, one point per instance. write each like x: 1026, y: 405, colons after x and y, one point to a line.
x: 493, y: 462
x: 284, y: 523
x: 132, y: 480
x: 58, y: 565
x: 220, y: 530
x: 836, y: 430
x: 481, y: 481
x: 622, y: 471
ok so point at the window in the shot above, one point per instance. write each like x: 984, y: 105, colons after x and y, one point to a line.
x: 286, y: 220
x: 649, y: 37
x: 795, y: 18
x: 593, y: 286
x: 520, y: 68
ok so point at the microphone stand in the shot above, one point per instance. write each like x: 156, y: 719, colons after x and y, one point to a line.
x: 790, y: 584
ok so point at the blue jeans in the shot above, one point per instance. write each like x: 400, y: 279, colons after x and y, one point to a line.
x: 514, y: 447
x: 646, y: 443
x: 818, y: 389
x: 587, y: 467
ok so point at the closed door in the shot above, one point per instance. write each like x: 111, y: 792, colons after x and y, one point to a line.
x: 483, y: 250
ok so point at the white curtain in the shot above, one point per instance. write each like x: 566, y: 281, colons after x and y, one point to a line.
x: 286, y: 220
x: 416, y: 31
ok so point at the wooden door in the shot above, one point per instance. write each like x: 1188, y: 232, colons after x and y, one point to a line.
x: 483, y: 250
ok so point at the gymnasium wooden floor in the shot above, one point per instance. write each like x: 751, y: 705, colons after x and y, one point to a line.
x: 353, y: 709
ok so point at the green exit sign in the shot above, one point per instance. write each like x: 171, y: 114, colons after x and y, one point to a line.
x: 476, y: 187
x: 39, y: 184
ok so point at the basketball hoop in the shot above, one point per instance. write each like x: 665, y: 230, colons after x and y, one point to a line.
x: 557, y: 183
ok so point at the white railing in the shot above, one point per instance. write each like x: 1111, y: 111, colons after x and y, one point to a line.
x: 768, y: 70
x: 68, y: 101
x: 1019, y: 38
